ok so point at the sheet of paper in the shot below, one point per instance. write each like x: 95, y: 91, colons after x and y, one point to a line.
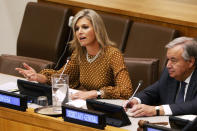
x: 79, y: 103
x: 9, y: 86
x: 188, y: 117
x: 76, y: 103
x: 33, y: 105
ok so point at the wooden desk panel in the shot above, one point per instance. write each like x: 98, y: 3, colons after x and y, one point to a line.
x: 12, y: 120
x: 178, y: 14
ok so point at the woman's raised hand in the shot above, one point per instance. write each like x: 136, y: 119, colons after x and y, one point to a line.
x: 29, y: 73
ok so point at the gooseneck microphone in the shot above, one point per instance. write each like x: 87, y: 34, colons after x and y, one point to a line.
x: 139, y: 85
x: 64, y: 68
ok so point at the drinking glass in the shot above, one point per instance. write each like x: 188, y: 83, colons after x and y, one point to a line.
x: 42, y: 101
x: 60, y: 86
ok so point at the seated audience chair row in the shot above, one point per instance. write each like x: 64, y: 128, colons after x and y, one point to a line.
x: 8, y: 63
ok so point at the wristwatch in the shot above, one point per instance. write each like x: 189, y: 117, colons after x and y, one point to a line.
x: 99, y: 94
x: 157, y: 108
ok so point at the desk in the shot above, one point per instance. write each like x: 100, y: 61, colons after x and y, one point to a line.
x: 8, y: 78
x: 134, y: 121
x: 10, y: 120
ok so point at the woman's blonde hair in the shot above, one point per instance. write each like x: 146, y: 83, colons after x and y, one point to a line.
x: 99, y: 29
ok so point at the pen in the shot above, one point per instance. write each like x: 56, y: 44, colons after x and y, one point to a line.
x: 139, y: 84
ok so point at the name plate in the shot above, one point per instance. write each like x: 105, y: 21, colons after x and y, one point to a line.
x: 83, y: 117
x: 13, y: 100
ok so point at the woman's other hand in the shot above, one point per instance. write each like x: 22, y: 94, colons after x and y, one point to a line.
x: 84, y: 95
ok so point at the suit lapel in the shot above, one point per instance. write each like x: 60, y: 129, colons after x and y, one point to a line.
x: 192, y: 88
x: 172, y: 89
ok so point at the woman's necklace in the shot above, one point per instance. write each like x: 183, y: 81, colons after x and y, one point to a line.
x: 90, y: 60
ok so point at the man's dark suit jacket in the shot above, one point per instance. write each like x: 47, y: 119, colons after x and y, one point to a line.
x: 164, y: 92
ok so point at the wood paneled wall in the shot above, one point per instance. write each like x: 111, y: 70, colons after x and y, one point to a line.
x: 177, y: 14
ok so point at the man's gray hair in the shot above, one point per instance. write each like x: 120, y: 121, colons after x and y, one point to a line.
x: 189, y: 47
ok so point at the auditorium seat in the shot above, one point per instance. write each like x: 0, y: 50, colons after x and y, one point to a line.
x: 145, y: 69
x: 148, y: 41
x: 44, y: 31
x: 43, y: 35
x: 117, y: 28
x: 195, y: 38
x: 8, y: 63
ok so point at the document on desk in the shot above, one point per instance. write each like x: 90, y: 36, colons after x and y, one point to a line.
x: 187, y: 117
x: 9, y: 86
x: 78, y: 102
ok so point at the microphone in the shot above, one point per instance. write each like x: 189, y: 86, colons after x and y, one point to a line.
x: 64, y: 68
x: 139, y: 85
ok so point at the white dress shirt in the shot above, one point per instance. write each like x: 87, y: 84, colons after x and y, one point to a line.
x: 167, y: 110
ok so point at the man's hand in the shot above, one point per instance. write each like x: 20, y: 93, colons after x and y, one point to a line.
x: 142, y: 110
x: 129, y: 104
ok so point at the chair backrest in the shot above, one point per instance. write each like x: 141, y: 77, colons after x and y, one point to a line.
x: 148, y: 41
x: 145, y: 69
x: 117, y: 28
x: 8, y: 63
x: 195, y: 38
x: 44, y: 31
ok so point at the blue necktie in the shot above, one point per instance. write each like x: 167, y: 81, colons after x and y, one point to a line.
x: 180, y: 95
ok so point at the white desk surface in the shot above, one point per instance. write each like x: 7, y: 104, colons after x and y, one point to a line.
x: 134, y: 121
x: 133, y: 127
x: 8, y: 78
